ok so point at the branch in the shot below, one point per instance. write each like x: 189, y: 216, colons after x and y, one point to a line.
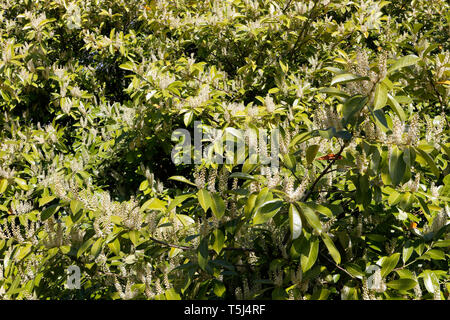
x: 170, y: 245
x: 287, y: 6
x: 340, y: 268
x: 323, y: 173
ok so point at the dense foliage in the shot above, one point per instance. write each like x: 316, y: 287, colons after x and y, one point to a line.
x: 92, y: 92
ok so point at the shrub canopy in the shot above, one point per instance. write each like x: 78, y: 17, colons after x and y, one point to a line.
x: 355, y: 207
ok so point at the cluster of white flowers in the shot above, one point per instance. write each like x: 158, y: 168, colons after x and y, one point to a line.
x: 294, y: 194
x: 200, y: 177
x: 326, y: 117
x: 233, y: 109
x: 362, y: 162
x: 303, y: 7
x: 378, y: 284
x: 285, y: 140
x: 434, y: 129
x: 223, y: 180
x: 201, y: 98
x: 361, y: 68
x: 277, y: 277
x: 270, y: 105
x: 247, y: 292
x: 369, y: 15
x: 128, y: 293
x: 13, y: 231
x: 56, y: 236
x: 441, y: 219
x: 412, y: 185
x: 22, y: 207
x: 403, y: 134
x: 273, y: 178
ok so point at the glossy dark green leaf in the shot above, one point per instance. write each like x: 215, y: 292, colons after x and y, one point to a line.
x: 331, y: 248
x: 310, y: 216
x: 402, y: 284
x: 217, y: 205
x: 48, y: 212
x: 352, y: 106
x: 205, y: 199
x: 295, y: 222
x: 389, y: 263
x: 203, y: 254
x: 267, y: 211
x: 397, y: 166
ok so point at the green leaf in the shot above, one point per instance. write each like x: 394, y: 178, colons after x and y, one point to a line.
x: 331, y: 248
x: 75, y: 206
x: 219, y: 289
x: 327, y: 133
x: 217, y: 205
x: 242, y: 175
x: 309, y: 253
x: 347, y: 77
x: 84, y: 247
x: 21, y: 183
x: 402, y: 284
x: 127, y: 66
x: 182, y: 179
x: 311, y: 152
x: 352, y: 106
x: 204, y: 198
x: 188, y: 116
x: 171, y: 294
x: 116, y: 220
x: 430, y: 280
x: 408, y: 249
x: 301, y: 137
x: 185, y: 220
x: 48, y: 212
x: 289, y: 161
x: 443, y: 243
x: 203, y: 254
x: 355, y: 270
x: 114, y: 246
x: 403, y: 62
x: 381, y: 97
x: 397, y: 166
x: 429, y: 161
x: 134, y: 236
x: 3, y: 185
x: 96, y: 247
x: 436, y: 254
x: 24, y: 251
x: 295, y: 222
x: 266, y: 211
x: 388, y: 264
x: 310, y: 216
x: 45, y: 199
x: 219, y: 240
x: 396, y: 107
x: 143, y: 186
x: 154, y: 204
x: 334, y: 92
x: 178, y: 200
x: 279, y: 293
x: 326, y: 210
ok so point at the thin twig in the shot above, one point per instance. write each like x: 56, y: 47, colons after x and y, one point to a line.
x: 340, y: 268
x: 323, y: 173
x: 193, y: 248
